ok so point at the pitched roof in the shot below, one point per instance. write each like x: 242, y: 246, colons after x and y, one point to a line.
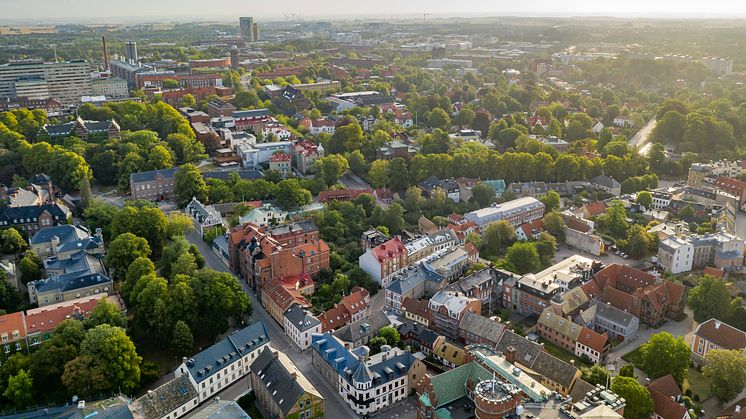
x: 592, y: 339
x: 526, y: 351
x: 13, y: 323
x: 580, y: 389
x: 166, y: 398
x: 65, y: 233
x: 284, y: 381
x: 16, y: 215
x: 612, y: 313
x: 417, y: 307
x: 300, y: 318
x: 150, y: 175
x: 481, y: 326
x: 666, y: 385
x: 605, y: 181
x: 422, y: 333
x: 389, y: 250
x: 554, y: 369
x: 595, y: 208
x: 451, y: 385
x: 364, y: 327
x: 47, y: 318
x: 722, y: 334
x: 449, y: 351
x: 664, y: 406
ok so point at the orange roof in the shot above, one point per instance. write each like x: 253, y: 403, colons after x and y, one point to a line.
x: 666, y: 385
x: 722, y: 334
x: 714, y: 272
x: 280, y: 157
x: 595, y: 208
x: 342, y: 312
x: 389, y: 250
x: 283, y: 297
x: 621, y: 300
x: 666, y: 407
x: 47, y: 318
x: 417, y: 307
x: 592, y: 339
x: 13, y: 323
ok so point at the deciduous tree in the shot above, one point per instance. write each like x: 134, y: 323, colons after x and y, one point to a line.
x: 639, y: 403
x: 123, y: 251
x: 663, y: 354
x: 727, y: 372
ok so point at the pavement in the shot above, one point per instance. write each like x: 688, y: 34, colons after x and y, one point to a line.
x: 335, y: 407
x: 353, y: 181
x: 640, y: 139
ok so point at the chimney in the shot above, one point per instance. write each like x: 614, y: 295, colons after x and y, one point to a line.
x: 106, y: 54
x: 510, y: 354
x: 294, y: 375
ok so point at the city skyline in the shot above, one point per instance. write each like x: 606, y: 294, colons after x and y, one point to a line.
x: 80, y: 10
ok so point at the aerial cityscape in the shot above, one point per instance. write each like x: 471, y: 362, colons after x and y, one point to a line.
x: 405, y: 211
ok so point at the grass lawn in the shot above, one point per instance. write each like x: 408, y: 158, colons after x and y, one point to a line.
x: 699, y: 384
x: 563, y: 355
x: 634, y: 358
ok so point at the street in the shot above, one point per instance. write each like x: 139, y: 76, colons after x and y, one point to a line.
x: 334, y: 406
x: 640, y: 139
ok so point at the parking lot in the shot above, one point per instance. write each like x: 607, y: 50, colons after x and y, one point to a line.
x: 564, y: 252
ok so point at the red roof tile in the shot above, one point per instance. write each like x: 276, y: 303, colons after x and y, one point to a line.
x: 13, y: 323
x: 389, y: 250
x: 592, y: 339
x: 722, y: 334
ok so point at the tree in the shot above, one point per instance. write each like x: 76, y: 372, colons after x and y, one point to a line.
x: 159, y: 158
x: 152, y: 300
x: 220, y: 299
x: 663, y: 354
x: 188, y: 184
x: 709, y: 299
x: 332, y: 167
x: 639, y: 403
x: 115, y: 353
x: 20, y: 390
x: 464, y: 117
x: 137, y: 269
x: 357, y: 162
x: 123, y: 251
x: 393, y: 218
x: 398, y: 174
x: 727, y: 372
x: 390, y: 334
x: 186, y: 149
x: 627, y: 371
x: 30, y: 267
x: 496, y: 236
x: 181, y: 339
x: 483, y: 194
x: 83, y: 376
x: 413, y: 201
x: 554, y: 224
x: 86, y: 196
x: 547, y: 247
x: 551, y: 201
x: 291, y: 196
x: 596, y: 375
x: 639, y: 241
x: 12, y: 242
x: 438, y: 118
x: 645, y: 199
x: 178, y: 224
x: 375, y: 344
x: 188, y: 100
x: 378, y: 174
x: 614, y: 221
x: 524, y: 257
x: 105, y: 312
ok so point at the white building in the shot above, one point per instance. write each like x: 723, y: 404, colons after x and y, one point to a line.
x: 300, y: 325
x: 65, y: 81
x: 223, y: 363
x: 253, y: 153
x: 675, y: 255
x: 515, y: 212
x: 111, y: 88
x: 264, y: 216
x: 204, y: 216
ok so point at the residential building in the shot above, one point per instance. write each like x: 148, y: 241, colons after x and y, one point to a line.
x: 342, y: 194
x: 246, y: 24
x: 449, y: 354
x: 482, y: 285
x: 715, y: 334
x: 69, y: 286
x: 41, y: 321
x: 350, y: 308
x: 558, y: 330
x: 305, y: 153
x: 300, y: 325
x: 449, y: 263
x: 383, y: 261
x: 606, y: 184
x: 667, y: 400
x: 65, y: 81
x: 218, y: 108
x: 205, y: 217
x: 413, y: 282
x: 281, y: 162
x: 418, y: 337
x: 226, y: 361
x: 220, y: 409
x: 264, y: 216
x: 475, y: 329
x: 263, y: 253
x: 591, y: 345
x: 33, y: 217
x: 173, y: 399
x: 515, y: 212
x: 277, y: 299
x: 110, y: 87
x: 592, y: 210
x: 682, y: 254
x: 155, y: 185
x: 536, y: 190
x: 416, y: 311
x: 449, y: 186
x: 367, y: 385
x: 372, y: 238
x: 63, y: 240
x: 609, y: 320
x: 558, y: 143
x: 281, y: 389
x: 529, y: 231
x: 12, y: 334
x: 254, y: 153
x: 447, y: 308
x: 361, y: 331
x: 394, y: 149
x: 91, y: 131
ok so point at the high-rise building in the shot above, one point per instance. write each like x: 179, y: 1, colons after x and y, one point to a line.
x: 247, y: 28
x: 131, y: 51
x: 234, y: 58
x: 34, y: 79
x: 255, y: 32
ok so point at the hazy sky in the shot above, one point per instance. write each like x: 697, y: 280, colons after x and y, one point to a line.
x: 116, y: 10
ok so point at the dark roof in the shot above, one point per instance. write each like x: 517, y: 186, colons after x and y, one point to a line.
x: 243, y: 174
x: 580, y: 389
x: 300, y: 318
x: 362, y: 328
x: 424, y: 335
x: 368, y: 100
x: 166, y: 398
x: 60, y: 130
x: 605, y: 181
x: 223, y: 409
x: 281, y: 384
x: 554, y: 369
x: 481, y: 326
x: 253, y: 113
x: 65, y: 233
x: 16, y: 215
x: 526, y: 351
x: 226, y: 351
x: 71, y: 281
x: 150, y: 175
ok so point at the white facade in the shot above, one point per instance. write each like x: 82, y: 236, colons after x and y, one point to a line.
x: 253, y: 153
x: 114, y: 87
x: 675, y: 255
x: 372, y: 267
x: 65, y: 81
x: 592, y: 354
x: 301, y: 338
x: 264, y: 216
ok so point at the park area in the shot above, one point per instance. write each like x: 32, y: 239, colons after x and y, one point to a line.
x: 695, y: 381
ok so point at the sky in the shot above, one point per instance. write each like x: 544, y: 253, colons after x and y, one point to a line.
x: 113, y: 11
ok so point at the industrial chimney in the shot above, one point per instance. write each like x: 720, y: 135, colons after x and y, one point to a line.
x: 106, y: 54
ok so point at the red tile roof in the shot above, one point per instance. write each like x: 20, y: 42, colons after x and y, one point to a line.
x: 714, y: 272
x: 417, y: 307
x: 342, y: 194
x: 666, y: 407
x: 280, y: 157
x: 730, y: 185
x: 13, y: 323
x: 595, y: 208
x: 47, y: 318
x: 529, y: 228
x: 389, y: 250
x: 342, y: 312
x: 722, y: 334
x: 666, y: 385
x: 592, y: 339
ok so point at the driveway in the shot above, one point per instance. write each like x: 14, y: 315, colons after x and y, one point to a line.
x: 335, y: 407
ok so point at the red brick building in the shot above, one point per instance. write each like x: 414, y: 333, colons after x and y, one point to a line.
x: 351, y: 308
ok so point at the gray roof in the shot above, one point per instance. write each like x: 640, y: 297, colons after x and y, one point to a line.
x: 612, y: 313
x: 306, y: 225
x: 362, y: 373
x: 150, y: 175
x: 472, y: 281
x: 424, y: 335
x: 300, y: 318
x: 18, y: 215
x: 227, y: 351
x: 481, y: 326
x: 526, y: 351
x: 605, y: 181
x: 79, y: 262
x: 166, y: 398
x: 65, y: 233
x: 410, y: 278
x: 284, y: 388
x: 362, y: 328
x: 223, y: 409
x: 580, y: 389
x: 70, y: 282
x: 554, y: 369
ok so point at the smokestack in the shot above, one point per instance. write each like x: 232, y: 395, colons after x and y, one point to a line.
x: 106, y: 54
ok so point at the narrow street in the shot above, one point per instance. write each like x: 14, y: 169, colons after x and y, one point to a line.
x: 335, y: 407
x: 640, y: 139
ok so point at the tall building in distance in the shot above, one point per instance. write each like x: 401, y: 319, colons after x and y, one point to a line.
x: 255, y: 32
x: 131, y: 52
x: 34, y: 79
x: 247, y: 28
